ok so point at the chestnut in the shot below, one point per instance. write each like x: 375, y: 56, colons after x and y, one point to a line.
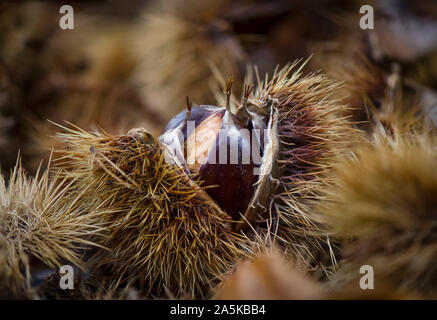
x: 225, y: 150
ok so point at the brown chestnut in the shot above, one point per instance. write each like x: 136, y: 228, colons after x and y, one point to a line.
x: 225, y: 150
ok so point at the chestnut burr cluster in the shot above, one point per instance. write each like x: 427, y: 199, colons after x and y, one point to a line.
x: 282, y: 186
x: 185, y: 208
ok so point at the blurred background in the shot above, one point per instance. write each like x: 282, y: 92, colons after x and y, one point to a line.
x: 132, y: 63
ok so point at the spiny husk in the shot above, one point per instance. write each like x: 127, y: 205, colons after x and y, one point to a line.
x: 166, y: 236
x: 12, y: 282
x: 25, y: 29
x: 100, y: 95
x: 373, y: 78
x: 42, y: 226
x: 382, y: 206
x: 268, y: 276
x: 311, y: 133
x: 364, y: 84
x: 86, y: 287
x: 46, y: 73
x: 179, y: 42
x: 117, y: 108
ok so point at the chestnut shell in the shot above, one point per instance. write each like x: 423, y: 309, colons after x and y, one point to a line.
x: 231, y: 185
